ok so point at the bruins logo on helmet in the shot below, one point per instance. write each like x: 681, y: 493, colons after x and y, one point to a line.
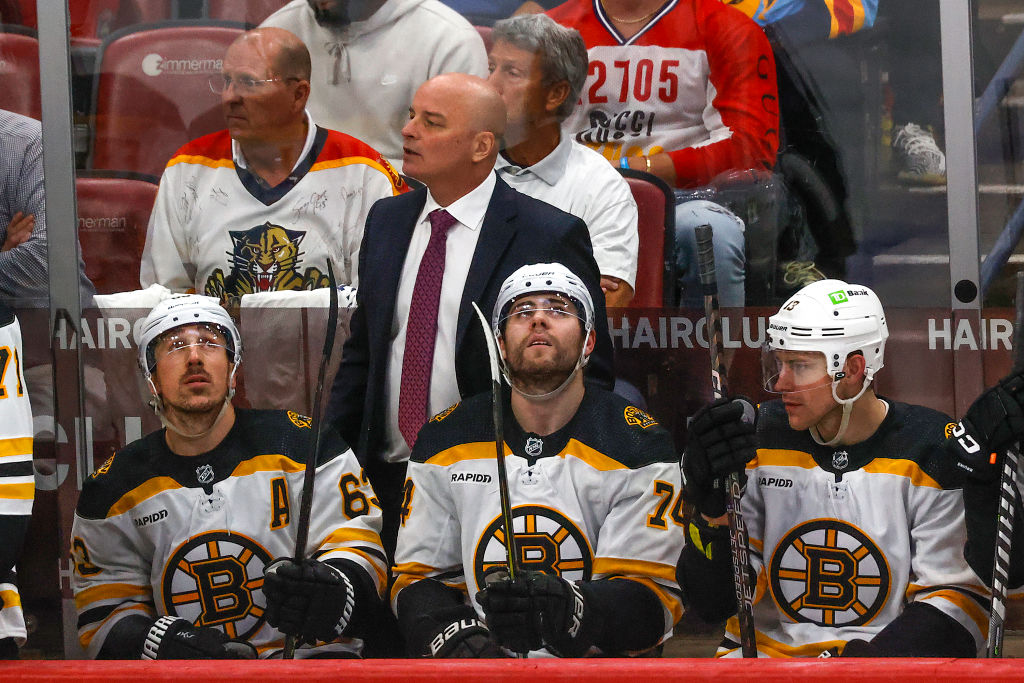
x: 948, y: 431
x: 214, y: 579
x: 300, y: 421
x: 638, y: 418
x: 830, y: 573
x: 546, y: 540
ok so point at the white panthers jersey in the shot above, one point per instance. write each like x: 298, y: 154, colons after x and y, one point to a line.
x: 844, y: 537
x: 591, y: 501
x: 160, y: 534
x: 17, y: 483
x: 216, y: 229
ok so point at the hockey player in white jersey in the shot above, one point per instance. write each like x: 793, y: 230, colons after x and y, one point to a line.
x: 17, y: 484
x: 182, y: 540
x: 591, y: 481
x: 856, y: 534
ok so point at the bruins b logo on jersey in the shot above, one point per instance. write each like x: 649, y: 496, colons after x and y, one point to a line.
x: 547, y: 541
x: 829, y: 572
x: 214, y: 579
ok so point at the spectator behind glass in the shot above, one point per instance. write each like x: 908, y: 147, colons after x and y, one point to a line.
x: 369, y: 56
x: 486, y: 12
x: 538, y: 67
x: 262, y: 205
x: 23, y: 257
x: 684, y: 89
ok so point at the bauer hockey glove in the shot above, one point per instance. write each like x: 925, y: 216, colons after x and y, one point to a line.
x: 457, y: 633
x: 534, y: 611
x: 721, y: 441
x: 175, y: 638
x: 993, y: 423
x: 312, y: 601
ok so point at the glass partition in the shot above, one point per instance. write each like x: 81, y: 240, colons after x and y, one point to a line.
x: 858, y: 191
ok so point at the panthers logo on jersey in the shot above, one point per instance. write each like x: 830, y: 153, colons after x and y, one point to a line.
x: 830, y: 573
x: 546, y: 540
x: 264, y: 259
x: 215, y: 579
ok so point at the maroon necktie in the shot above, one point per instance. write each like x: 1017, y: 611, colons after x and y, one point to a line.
x: 421, y: 331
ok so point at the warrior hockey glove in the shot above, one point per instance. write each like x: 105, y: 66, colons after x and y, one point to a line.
x: 312, y: 601
x: 994, y: 422
x: 534, y: 611
x: 721, y: 441
x: 174, y: 638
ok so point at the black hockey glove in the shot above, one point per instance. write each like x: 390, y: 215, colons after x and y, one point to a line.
x: 994, y: 422
x: 721, y: 441
x: 312, y: 601
x: 854, y: 648
x: 461, y: 635
x: 536, y: 610
x: 174, y: 638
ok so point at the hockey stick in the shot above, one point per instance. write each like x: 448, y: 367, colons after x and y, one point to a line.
x: 499, y: 446
x: 1007, y: 503
x: 738, y: 541
x: 309, y: 474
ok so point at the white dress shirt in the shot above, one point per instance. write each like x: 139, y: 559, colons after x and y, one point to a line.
x: 469, y: 211
x: 580, y: 181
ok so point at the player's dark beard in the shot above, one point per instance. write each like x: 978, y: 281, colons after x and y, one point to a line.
x: 541, y: 377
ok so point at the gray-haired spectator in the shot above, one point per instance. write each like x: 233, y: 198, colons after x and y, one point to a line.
x: 539, y: 67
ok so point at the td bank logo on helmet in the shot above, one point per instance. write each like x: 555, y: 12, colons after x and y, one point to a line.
x: 841, y: 296
x: 155, y: 65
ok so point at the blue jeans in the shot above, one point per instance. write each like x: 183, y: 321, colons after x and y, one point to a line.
x: 729, y: 247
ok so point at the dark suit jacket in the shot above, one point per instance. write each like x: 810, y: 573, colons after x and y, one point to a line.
x: 517, y: 230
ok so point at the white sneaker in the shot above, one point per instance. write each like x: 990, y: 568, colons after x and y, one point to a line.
x: 920, y: 159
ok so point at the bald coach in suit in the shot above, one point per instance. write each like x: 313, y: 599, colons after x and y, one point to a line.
x: 415, y: 346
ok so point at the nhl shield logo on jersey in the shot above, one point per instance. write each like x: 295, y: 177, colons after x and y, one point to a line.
x: 214, y: 579
x: 638, y: 418
x: 546, y: 540
x: 534, y: 446
x: 840, y: 460
x: 204, y: 474
x: 829, y: 572
x: 300, y: 421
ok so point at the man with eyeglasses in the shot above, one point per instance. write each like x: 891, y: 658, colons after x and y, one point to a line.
x: 263, y: 205
x: 591, y: 481
x: 856, y: 525
x: 183, y: 540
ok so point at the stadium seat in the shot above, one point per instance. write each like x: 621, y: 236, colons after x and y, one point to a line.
x: 151, y: 93
x: 485, y: 33
x: 252, y: 12
x: 19, y: 71
x: 655, y: 202
x: 113, y: 213
x: 90, y: 22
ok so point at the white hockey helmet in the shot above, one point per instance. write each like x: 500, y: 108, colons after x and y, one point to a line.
x: 543, y: 277
x: 836, y: 319
x: 185, y: 309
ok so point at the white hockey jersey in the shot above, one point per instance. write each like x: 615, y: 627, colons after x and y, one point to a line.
x: 843, y: 538
x: 592, y: 501
x: 216, y: 230
x: 17, y: 482
x: 160, y: 534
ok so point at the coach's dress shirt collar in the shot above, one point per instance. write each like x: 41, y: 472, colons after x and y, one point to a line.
x: 469, y: 209
x: 549, y: 169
